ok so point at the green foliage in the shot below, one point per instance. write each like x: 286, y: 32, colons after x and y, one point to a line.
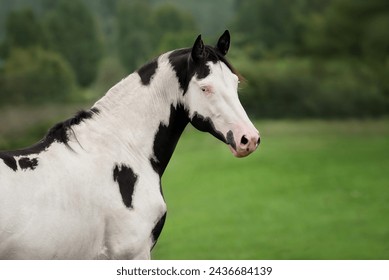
x: 269, y: 27
x: 314, y: 58
x: 210, y: 17
x: 134, y: 40
x: 140, y: 36
x: 73, y: 33
x: 33, y: 75
x: 111, y: 72
x: 302, y: 58
x: 350, y: 27
x: 309, y: 88
x: 274, y: 28
x: 167, y: 20
x: 175, y: 40
x: 173, y: 29
x: 23, y: 30
x: 28, y: 38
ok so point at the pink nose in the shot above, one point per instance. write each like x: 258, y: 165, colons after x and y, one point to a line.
x: 248, y: 143
x: 244, y: 143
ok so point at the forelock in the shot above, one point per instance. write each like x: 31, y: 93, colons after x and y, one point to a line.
x: 215, y: 56
x: 185, y: 68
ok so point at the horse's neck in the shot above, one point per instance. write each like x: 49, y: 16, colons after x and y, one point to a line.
x: 144, y: 121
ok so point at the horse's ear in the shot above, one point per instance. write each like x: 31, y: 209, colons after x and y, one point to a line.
x: 198, y: 49
x: 224, y: 43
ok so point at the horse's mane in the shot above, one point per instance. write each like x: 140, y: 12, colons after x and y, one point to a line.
x: 59, y: 131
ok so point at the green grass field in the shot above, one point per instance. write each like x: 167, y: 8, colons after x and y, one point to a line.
x: 314, y: 190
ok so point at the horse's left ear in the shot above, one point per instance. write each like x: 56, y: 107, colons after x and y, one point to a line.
x: 224, y: 43
x: 198, y: 49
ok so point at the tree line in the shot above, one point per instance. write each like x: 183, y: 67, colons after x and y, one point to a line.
x: 300, y: 58
x: 46, y: 55
x: 315, y: 58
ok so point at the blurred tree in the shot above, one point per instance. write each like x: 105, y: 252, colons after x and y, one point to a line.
x: 350, y: 28
x: 274, y: 28
x: 134, y: 40
x: 211, y: 17
x: 303, y: 88
x: 33, y: 75
x: 271, y: 25
x: 23, y: 30
x: 354, y: 29
x: 74, y: 34
x: 172, y: 28
x: 168, y: 18
x: 105, y: 13
x: 338, y: 57
x: 143, y: 32
x: 171, y: 41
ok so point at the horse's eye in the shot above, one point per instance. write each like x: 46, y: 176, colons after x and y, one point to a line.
x: 208, y: 90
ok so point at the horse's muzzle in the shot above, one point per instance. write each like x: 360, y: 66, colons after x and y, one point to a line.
x: 246, y: 143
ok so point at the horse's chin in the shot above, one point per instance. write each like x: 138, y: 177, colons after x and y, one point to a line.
x: 239, y: 154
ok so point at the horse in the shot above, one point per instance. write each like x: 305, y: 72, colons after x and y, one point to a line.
x: 91, y: 188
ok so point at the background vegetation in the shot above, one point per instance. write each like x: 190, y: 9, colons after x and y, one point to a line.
x: 316, y: 70
x: 301, y: 58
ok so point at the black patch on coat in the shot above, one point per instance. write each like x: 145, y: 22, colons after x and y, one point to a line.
x: 147, y: 72
x: 9, y: 160
x: 126, y: 178
x: 156, y: 232
x: 166, y: 138
x: 230, y: 139
x: 26, y: 163
x: 58, y: 133
x: 206, y: 125
x: 186, y: 68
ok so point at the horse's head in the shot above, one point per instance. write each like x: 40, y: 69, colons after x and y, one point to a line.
x: 211, y: 97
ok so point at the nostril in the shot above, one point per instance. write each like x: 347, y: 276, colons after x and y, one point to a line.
x: 259, y: 140
x: 244, y: 140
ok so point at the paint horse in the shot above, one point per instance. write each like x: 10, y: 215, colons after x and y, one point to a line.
x: 91, y: 189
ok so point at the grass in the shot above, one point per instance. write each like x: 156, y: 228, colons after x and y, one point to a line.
x: 314, y: 190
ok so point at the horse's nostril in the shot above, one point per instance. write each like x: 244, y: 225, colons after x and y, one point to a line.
x: 244, y: 140
x: 259, y: 140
